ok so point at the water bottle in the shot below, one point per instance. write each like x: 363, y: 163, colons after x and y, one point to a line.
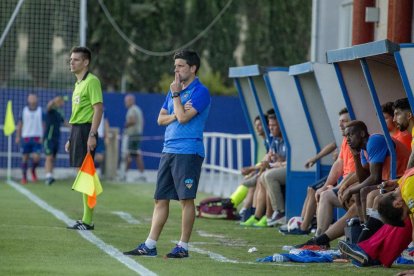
x: 278, y: 258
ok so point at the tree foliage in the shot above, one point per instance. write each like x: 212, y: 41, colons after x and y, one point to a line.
x: 159, y: 27
x: 278, y: 32
x: 40, y: 30
x: 109, y: 51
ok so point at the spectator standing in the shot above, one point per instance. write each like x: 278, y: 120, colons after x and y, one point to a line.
x: 54, y: 118
x: 29, y: 135
x: 134, y: 127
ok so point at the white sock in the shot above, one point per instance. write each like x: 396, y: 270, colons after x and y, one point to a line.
x: 183, y: 244
x: 376, y: 215
x: 150, y: 243
x: 48, y: 175
x: 242, y: 210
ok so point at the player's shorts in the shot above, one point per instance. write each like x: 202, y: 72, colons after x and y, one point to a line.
x: 178, y: 176
x: 31, y: 145
x: 100, y: 147
x: 79, y: 144
x: 51, y: 146
x: 319, y: 183
x: 250, y: 181
x: 134, y: 144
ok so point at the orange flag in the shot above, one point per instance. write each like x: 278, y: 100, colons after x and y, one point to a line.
x: 87, y: 181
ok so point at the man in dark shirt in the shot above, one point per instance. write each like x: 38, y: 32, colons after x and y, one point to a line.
x: 53, y: 119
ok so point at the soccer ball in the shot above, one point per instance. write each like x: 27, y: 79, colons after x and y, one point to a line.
x: 294, y: 223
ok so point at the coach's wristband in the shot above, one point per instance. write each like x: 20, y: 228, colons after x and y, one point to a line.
x: 175, y: 95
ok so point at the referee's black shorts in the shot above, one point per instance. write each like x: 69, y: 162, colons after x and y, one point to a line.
x: 78, y: 144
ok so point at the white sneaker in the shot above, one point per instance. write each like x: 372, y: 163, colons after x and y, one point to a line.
x: 283, y: 227
x: 277, y: 218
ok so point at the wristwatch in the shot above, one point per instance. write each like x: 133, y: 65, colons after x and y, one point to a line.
x: 92, y: 134
x: 175, y: 94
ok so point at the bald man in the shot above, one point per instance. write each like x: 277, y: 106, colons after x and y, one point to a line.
x: 134, y: 126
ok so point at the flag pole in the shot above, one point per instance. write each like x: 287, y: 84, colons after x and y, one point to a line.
x: 9, y: 157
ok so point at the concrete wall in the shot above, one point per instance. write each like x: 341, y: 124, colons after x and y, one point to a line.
x: 326, y: 21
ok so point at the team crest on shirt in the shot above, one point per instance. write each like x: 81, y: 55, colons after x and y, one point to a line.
x: 77, y: 99
x: 189, y: 183
x: 185, y: 95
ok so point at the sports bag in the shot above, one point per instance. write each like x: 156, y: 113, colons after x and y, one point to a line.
x: 217, y: 208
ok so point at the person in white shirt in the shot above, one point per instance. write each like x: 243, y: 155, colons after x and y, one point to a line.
x: 29, y: 135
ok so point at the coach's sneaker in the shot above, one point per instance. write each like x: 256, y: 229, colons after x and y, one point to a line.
x: 80, y: 225
x: 250, y: 221
x: 142, y: 250
x: 178, y: 252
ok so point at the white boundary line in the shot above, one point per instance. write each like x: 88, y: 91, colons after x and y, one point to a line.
x: 126, y: 216
x: 222, y: 259
x: 87, y: 235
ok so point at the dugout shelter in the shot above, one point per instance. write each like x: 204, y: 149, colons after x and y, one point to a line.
x: 370, y: 75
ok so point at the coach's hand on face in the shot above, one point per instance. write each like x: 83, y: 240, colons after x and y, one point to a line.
x: 176, y: 85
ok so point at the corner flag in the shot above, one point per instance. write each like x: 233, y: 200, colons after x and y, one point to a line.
x: 87, y: 181
x: 9, y: 125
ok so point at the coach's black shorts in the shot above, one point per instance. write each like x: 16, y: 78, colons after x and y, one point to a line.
x: 78, y: 144
x: 178, y: 176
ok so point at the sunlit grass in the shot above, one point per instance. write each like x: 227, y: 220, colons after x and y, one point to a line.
x: 33, y: 242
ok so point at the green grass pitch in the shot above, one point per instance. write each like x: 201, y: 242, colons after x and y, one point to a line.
x: 34, y: 242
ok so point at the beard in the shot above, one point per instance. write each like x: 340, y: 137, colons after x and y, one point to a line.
x: 402, y: 127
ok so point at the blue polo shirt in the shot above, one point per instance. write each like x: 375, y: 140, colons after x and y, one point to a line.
x: 377, y: 150
x: 188, y: 138
x: 278, y: 147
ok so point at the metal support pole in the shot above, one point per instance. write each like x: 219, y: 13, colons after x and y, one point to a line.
x: 10, y: 23
x: 9, y: 157
x: 83, y: 25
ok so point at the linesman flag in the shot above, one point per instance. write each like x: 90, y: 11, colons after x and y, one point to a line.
x: 9, y: 125
x: 87, y: 181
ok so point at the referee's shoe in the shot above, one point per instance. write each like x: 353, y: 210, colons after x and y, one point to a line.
x: 80, y: 225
